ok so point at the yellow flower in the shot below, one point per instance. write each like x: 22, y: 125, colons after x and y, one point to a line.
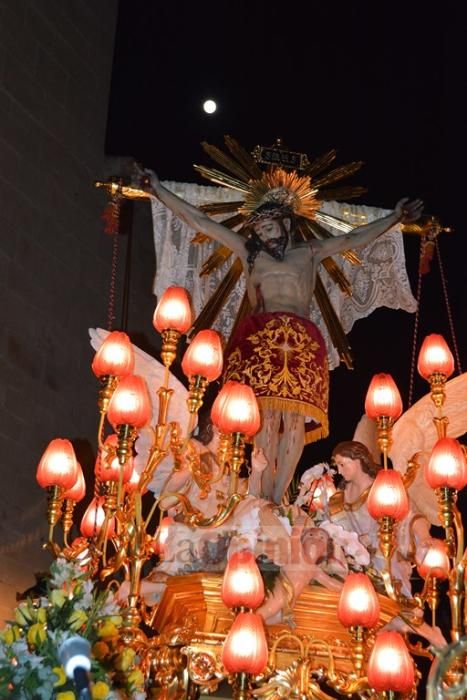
x: 100, y: 690
x: 125, y: 659
x: 57, y: 598
x: 107, y: 629
x: 23, y: 614
x: 11, y: 634
x: 77, y: 619
x: 136, y: 679
x: 36, y: 634
x: 61, y: 676
x: 42, y: 615
x: 116, y: 619
x: 66, y: 695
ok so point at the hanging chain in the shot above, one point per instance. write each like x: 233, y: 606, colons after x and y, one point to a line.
x: 416, y: 321
x: 448, y: 308
x: 113, y: 282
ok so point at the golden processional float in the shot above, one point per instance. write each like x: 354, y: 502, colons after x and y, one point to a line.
x: 204, y: 629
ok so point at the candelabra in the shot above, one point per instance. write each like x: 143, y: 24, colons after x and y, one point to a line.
x: 207, y: 628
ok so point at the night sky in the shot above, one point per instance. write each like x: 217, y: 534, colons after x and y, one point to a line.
x: 380, y: 82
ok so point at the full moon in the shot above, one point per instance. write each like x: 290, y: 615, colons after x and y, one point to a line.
x: 209, y: 106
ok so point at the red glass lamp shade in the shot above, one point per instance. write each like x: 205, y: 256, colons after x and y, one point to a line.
x: 242, y: 585
x: 237, y: 409
x: 436, y: 561
x: 435, y: 357
x: 58, y: 465
x: 447, y: 466
x: 390, y: 666
x: 78, y: 490
x: 115, y: 356
x: 383, y: 398
x: 162, y: 534
x: 132, y: 483
x: 388, y: 497
x: 203, y: 356
x: 173, y: 312
x: 93, y: 519
x: 245, y: 648
x: 130, y: 403
x: 109, y: 469
x: 358, y: 602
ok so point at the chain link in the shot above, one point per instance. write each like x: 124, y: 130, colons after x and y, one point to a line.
x: 418, y: 297
x: 448, y: 308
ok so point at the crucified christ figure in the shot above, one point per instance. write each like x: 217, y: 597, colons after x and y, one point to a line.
x: 277, y: 350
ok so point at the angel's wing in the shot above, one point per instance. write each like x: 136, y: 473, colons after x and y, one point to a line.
x: 415, y: 432
x: 153, y: 372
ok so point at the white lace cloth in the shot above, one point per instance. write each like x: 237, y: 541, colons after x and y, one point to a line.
x: 380, y: 281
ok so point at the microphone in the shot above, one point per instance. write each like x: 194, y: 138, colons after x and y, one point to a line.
x: 75, y: 656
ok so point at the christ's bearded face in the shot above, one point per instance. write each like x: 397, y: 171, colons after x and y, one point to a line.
x: 274, y: 235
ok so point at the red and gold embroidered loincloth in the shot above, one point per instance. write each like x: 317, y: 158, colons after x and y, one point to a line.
x: 283, y: 358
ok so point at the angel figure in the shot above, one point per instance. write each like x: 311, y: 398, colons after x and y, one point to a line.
x: 348, y: 510
x: 277, y: 349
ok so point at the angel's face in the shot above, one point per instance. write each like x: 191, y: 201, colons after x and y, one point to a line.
x: 347, y: 467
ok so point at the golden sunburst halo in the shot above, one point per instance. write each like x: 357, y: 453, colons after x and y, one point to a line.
x: 283, y: 187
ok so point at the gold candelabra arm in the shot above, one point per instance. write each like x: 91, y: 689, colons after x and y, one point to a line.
x: 438, y: 389
x: 384, y: 436
x: 413, y: 465
x: 170, y: 340
x: 67, y: 519
x: 54, y: 513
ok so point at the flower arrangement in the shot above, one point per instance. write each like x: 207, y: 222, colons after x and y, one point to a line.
x: 29, y: 665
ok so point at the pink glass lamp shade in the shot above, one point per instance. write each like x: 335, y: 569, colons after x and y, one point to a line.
x: 58, y: 465
x: 435, y: 357
x: 358, y: 602
x: 390, y: 666
x: 78, y: 490
x: 242, y: 585
x: 130, y: 403
x: 447, y: 467
x: 109, y: 470
x: 436, y: 561
x: 203, y: 356
x: 383, y: 398
x: 388, y: 497
x: 245, y: 648
x: 173, y: 312
x: 93, y: 519
x: 115, y: 356
x: 237, y: 410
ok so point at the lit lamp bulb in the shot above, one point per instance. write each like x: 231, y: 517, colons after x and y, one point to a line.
x: 129, y: 409
x: 383, y: 403
x: 162, y: 535
x: 202, y: 363
x: 446, y: 471
x: 238, y: 415
x: 242, y: 585
x: 390, y: 666
x: 57, y: 471
x: 435, y: 565
x: 114, y: 359
x: 93, y: 519
x: 387, y: 502
x: 172, y: 318
x: 359, y: 609
x: 435, y: 364
x: 245, y: 650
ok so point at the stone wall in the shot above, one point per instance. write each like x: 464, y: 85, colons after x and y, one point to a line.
x: 55, y: 69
